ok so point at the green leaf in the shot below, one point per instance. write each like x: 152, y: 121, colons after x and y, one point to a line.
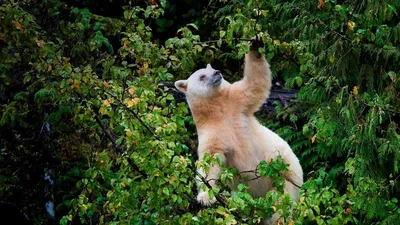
x: 299, y: 81
x: 222, y: 34
x: 220, y: 210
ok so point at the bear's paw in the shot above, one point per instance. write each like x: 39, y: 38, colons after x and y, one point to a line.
x: 203, y: 199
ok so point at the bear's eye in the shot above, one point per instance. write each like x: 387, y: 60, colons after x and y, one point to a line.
x: 202, y: 77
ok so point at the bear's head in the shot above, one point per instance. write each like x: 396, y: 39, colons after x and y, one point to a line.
x: 203, y: 83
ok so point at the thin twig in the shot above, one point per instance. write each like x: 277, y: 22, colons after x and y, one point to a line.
x: 372, y: 106
x: 323, y: 24
x: 135, y: 114
x: 108, y: 134
x: 218, y: 197
x: 118, y: 147
x: 123, y: 87
x: 41, y: 130
x: 223, y: 39
x: 258, y: 176
x: 136, y: 168
x: 287, y: 179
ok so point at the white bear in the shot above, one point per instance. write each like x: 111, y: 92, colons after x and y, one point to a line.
x: 224, y: 117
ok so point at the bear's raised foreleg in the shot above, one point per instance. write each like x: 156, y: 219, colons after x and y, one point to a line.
x: 256, y: 83
x: 210, y: 179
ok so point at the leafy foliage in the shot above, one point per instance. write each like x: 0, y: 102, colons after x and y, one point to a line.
x: 80, y: 98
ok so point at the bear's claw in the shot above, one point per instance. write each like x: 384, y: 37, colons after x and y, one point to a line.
x: 256, y: 43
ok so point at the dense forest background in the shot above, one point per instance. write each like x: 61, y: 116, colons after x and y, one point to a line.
x: 89, y: 135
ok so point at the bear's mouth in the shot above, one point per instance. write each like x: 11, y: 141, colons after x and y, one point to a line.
x: 216, y: 80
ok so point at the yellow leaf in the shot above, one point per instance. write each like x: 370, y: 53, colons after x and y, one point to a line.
x: 40, y: 43
x: 132, y: 102
x: 75, y: 84
x: 105, y: 83
x: 274, y: 208
x: 350, y: 25
x: 321, y: 4
x: 313, y: 138
x: 172, y: 179
x: 145, y: 65
x: 131, y: 91
x: 129, y: 103
x: 18, y: 25
x: 106, y: 103
x: 128, y: 133
x: 355, y: 90
x: 301, y: 200
x: 135, y: 100
x: 332, y: 59
x: 182, y: 159
x: 291, y: 222
x: 123, y: 184
x: 126, y: 43
x: 102, y: 110
x: 49, y: 68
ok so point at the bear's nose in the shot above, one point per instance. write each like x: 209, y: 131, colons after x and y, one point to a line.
x: 217, y: 72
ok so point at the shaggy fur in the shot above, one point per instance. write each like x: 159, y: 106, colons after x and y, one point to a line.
x: 225, y: 122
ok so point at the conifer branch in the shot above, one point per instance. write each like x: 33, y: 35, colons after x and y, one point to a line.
x: 371, y: 106
x: 323, y: 24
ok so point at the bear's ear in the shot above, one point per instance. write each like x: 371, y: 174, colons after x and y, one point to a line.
x: 181, y: 85
x: 208, y: 66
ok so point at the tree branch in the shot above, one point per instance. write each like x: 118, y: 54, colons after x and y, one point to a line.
x: 258, y: 176
x: 218, y: 197
x: 119, y: 148
x: 223, y: 39
x: 135, y: 114
x: 108, y: 134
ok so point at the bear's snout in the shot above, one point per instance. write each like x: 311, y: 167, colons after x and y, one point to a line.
x: 216, y: 79
x: 216, y: 73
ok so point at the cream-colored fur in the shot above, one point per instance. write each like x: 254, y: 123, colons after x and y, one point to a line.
x: 225, y: 122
